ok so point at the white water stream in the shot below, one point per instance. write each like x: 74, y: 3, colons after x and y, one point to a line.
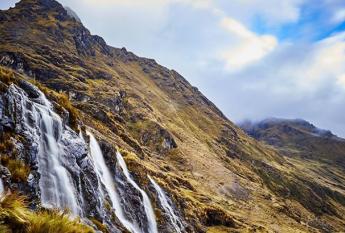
x: 174, y: 219
x: 57, y: 189
x: 105, y: 176
x: 2, y: 188
x: 107, y: 180
x: 146, y: 201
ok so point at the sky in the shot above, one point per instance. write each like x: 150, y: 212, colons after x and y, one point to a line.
x: 253, y: 58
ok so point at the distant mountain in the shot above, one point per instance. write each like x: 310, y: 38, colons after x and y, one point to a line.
x: 298, y: 137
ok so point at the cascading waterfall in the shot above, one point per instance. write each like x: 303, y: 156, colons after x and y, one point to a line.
x: 168, y: 209
x: 105, y: 176
x: 66, y: 177
x: 146, y: 201
x: 57, y: 189
x: 2, y: 188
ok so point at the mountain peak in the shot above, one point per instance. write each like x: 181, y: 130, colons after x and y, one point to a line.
x: 41, y: 3
x: 36, y: 9
x: 286, y: 126
x: 298, y: 136
x: 72, y: 13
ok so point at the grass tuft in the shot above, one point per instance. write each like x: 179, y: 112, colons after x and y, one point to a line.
x: 6, y: 76
x: 100, y: 226
x: 19, y: 170
x: 16, y: 217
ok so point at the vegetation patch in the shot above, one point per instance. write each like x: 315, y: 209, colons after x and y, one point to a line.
x: 16, y: 217
x: 6, y: 76
x: 19, y: 170
x: 100, y: 226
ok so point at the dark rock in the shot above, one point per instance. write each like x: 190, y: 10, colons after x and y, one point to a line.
x: 29, y: 89
x: 7, y: 124
x: 5, y: 175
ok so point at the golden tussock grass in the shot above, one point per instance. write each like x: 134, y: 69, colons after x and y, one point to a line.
x: 16, y: 217
x: 19, y: 170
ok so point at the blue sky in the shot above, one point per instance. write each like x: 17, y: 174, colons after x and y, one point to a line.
x: 253, y: 58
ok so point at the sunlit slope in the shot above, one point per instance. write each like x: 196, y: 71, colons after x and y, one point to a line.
x: 221, y: 179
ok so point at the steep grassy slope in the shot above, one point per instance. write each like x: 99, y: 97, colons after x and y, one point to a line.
x: 221, y: 179
x: 317, y: 155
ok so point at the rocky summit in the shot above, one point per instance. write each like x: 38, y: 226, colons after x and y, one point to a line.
x: 97, y: 139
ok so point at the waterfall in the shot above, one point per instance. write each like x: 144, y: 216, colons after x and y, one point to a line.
x: 2, y: 188
x: 57, y: 189
x: 168, y: 209
x: 105, y: 176
x: 151, y: 218
x: 69, y: 176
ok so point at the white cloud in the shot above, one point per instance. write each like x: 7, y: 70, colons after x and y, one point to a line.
x: 297, y: 80
x: 248, y: 47
x: 339, y: 16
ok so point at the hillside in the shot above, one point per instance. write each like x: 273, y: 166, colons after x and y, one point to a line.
x: 217, y: 178
x: 299, y: 137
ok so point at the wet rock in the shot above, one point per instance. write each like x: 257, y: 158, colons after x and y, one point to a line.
x: 30, y: 89
x: 6, y: 124
x: 5, y: 175
x: 73, y: 151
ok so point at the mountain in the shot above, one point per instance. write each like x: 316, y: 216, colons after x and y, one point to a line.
x: 319, y: 154
x: 129, y: 145
x: 299, y: 137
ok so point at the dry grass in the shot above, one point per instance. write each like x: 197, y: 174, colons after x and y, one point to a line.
x: 100, y: 226
x: 74, y: 115
x: 5, y: 143
x: 6, y: 76
x: 19, y: 170
x: 16, y: 217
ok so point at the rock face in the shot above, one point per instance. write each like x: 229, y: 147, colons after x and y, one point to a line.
x: 64, y: 172
x: 212, y: 175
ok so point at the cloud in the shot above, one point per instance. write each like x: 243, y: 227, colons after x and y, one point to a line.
x: 249, y: 46
x: 298, y: 80
x: 339, y: 16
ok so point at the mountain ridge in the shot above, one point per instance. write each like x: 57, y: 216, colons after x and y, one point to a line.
x: 298, y: 134
x: 219, y: 179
